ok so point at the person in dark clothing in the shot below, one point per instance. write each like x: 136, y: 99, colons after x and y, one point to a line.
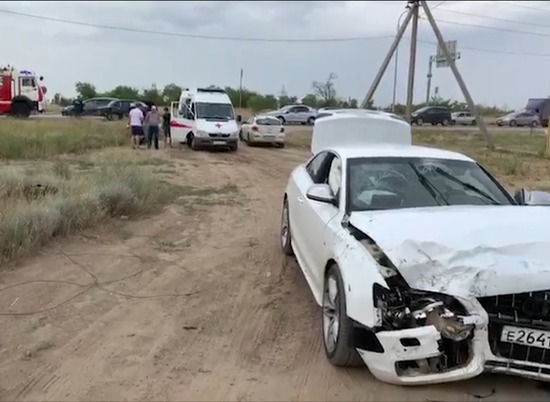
x: 152, y: 120
x: 166, y: 127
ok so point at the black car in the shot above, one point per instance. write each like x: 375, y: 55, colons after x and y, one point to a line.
x: 92, y: 107
x: 119, y: 108
x: 431, y: 114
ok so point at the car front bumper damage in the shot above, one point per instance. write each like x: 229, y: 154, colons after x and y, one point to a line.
x: 424, y: 337
x: 425, y: 355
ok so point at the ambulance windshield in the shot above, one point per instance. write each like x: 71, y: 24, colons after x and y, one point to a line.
x: 215, y: 111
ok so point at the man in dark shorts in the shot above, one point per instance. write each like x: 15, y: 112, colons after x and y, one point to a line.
x: 135, y: 121
x: 166, y: 127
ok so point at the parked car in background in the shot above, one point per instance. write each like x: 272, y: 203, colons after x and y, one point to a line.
x: 263, y: 129
x: 431, y: 114
x: 521, y: 118
x: 463, y: 119
x: 120, y: 108
x: 294, y: 114
x: 92, y: 107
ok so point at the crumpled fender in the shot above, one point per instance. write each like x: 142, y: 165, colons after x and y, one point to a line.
x: 359, y: 274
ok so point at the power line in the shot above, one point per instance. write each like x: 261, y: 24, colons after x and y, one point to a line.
x: 196, y: 36
x: 495, y: 18
x: 523, y: 6
x: 518, y: 31
x: 493, y: 51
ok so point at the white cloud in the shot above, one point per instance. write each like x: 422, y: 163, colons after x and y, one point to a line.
x: 66, y: 53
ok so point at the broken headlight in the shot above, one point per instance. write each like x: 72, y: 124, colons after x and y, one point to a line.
x: 408, y: 308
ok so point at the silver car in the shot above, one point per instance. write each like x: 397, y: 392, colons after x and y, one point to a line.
x: 295, y: 114
x: 463, y: 119
x: 523, y: 118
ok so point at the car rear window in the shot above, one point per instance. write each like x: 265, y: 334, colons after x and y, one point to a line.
x: 268, y: 122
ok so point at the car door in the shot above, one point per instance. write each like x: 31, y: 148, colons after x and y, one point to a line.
x: 246, y: 127
x: 522, y: 119
x: 291, y: 115
x: 302, y: 114
x: 311, y: 217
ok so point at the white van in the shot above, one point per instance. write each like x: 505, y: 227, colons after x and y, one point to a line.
x: 204, y: 117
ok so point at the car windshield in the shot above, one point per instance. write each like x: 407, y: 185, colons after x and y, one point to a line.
x: 394, y: 183
x: 422, y: 109
x: 214, y: 111
x: 268, y: 121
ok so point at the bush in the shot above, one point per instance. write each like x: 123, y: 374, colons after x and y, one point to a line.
x: 36, y: 208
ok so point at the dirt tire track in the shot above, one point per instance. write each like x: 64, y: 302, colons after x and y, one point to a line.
x: 251, y: 332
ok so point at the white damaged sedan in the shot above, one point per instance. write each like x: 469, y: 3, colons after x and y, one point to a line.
x: 426, y: 269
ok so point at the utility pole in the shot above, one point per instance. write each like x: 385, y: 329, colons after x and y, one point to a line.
x: 429, y: 85
x: 413, y: 14
x: 471, y: 105
x: 412, y: 59
x: 241, y: 89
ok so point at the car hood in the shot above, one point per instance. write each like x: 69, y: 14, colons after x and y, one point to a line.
x: 467, y: 251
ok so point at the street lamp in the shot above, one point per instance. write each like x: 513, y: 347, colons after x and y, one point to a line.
x: 407, y: 8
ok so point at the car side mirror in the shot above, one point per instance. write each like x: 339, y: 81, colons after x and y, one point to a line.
x: 321, y: 193
x: 239, y: 118
x: 532, y: 198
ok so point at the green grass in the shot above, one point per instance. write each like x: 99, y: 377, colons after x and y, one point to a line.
x: 44, y: 138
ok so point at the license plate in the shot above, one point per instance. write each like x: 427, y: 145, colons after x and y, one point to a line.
x: 218, y: 142
x: 526, y: 337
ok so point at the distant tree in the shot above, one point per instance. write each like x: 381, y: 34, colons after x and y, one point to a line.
x: 85, y: 90
x: 326, y: 91
x: 354, y: 104
x: 171, y: 93
x: 153, y: 94
x: 258, y: 103
x: 310, y: 100
x: 124, y: 92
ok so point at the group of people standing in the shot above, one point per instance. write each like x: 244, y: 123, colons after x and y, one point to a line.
x: 152, y: 120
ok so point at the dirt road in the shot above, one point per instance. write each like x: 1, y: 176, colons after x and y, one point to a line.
x: 192, y: 304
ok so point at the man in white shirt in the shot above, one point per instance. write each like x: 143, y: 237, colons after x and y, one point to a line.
x: 135, y: 121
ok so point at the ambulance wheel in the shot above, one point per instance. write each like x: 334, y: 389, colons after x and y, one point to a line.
x: 234, y: 147
x: 193, y: 144
x: 20, y: 110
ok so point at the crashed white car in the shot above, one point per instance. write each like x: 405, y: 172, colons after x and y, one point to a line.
x: 426, y: 269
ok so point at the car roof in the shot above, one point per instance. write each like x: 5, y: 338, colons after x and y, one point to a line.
x: 396, y: 151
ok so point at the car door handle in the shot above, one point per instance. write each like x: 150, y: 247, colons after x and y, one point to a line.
x: 301, y: 200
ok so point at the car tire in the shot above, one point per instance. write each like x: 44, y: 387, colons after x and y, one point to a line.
x: 311, y: 121
x: 248, y: 141
x: 339, y: 351
x: 285, y: 233
x: 116, y: 116
x: 280, y: 145
x: 512, y: 123
x: 474, y: 123
x: 534, y: 124
x: 419, y: 121
x: 453, y: 122
x: 192, y: 143
x: 234, y: 147
x: 445, y: 123
x: 281, y: 119
x: 241, y: 134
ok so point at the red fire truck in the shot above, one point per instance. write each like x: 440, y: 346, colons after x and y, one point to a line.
x: 21, y: 93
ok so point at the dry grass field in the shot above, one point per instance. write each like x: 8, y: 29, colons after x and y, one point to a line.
x: 157, y: 275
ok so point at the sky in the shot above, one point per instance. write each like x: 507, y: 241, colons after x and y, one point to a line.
x: 503, y: 46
